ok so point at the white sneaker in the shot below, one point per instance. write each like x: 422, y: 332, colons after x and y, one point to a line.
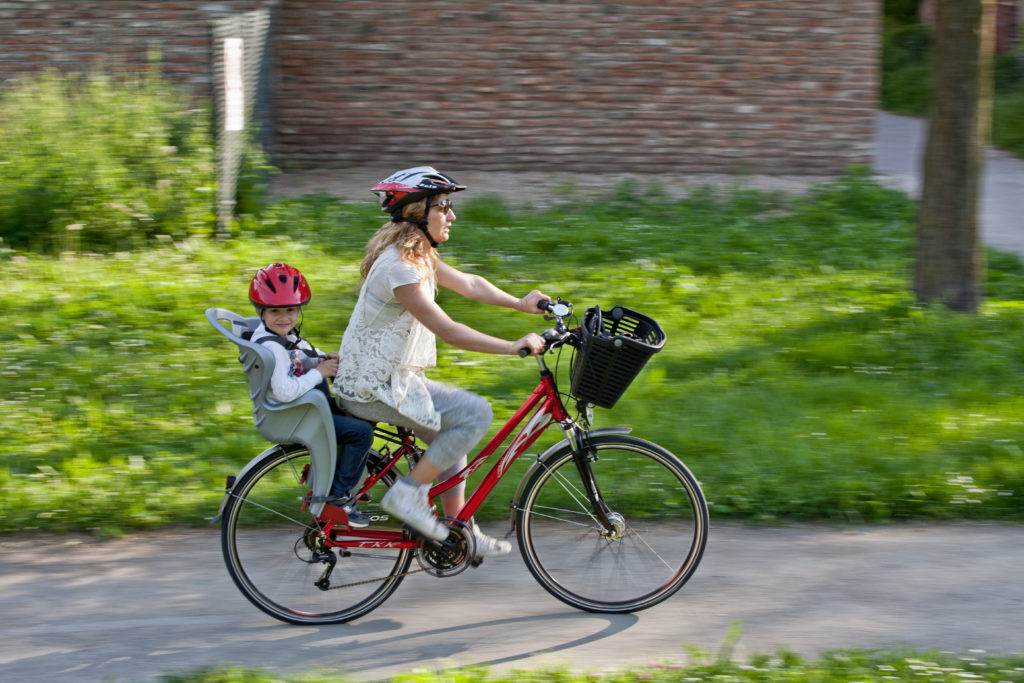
x: 408, y: 502
x: 489, y: 547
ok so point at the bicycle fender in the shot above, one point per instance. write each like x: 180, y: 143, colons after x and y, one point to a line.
x: 604, y: 431
x: 242, y: 472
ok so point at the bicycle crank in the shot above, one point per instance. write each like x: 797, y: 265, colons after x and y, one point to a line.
x: 450, y: 556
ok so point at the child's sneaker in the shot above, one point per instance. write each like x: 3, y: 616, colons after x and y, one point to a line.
x: 357, y: 519
x: 487, y: 546
x: 409, y: 503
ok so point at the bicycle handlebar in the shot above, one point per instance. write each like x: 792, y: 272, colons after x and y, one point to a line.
x: 559, y: 310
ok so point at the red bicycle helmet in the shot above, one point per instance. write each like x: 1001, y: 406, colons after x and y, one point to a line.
x: 278, y: 286
x: 413, y: 184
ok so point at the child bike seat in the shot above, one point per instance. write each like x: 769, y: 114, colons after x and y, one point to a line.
x: 306, y: 420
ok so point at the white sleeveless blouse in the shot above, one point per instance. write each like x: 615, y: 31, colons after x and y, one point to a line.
x: 385, y: 349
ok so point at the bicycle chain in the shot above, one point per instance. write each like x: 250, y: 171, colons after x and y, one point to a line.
x: 382, y: 578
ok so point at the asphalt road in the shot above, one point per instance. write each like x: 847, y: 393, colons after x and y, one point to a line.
x: 134, y: 608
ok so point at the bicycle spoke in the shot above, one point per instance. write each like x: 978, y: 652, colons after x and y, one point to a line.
x: 537, y: 512
x: 577, y: 494
x: 251, y: 501
x: 277, y: 556
x: 658, y: 527
x: 640, y: 538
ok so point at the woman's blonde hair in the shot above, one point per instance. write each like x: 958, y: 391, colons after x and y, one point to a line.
x: 412, y: 248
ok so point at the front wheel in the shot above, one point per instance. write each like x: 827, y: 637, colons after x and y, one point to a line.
x: 659, y: 522
x: 276, y: 554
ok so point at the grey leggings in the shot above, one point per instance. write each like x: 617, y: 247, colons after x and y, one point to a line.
x: 465, y: 418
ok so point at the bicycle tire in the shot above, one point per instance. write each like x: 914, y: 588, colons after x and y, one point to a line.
x: 265, y: 539
x: 664, y: 526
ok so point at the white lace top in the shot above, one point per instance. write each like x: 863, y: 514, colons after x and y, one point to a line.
x: 385, y: 349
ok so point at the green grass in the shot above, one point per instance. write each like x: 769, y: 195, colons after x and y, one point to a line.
x: 840, y: 666
x: 799, y: 380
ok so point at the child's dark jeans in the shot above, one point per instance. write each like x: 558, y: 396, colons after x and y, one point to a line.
x: 354, y: 437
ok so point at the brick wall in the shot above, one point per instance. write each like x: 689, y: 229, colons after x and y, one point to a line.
x: 72, y: 37
x: 682, y: 86
x: 647, y: 85
x: 1008, y: 32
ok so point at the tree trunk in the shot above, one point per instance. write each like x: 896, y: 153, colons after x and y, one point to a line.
x: 950, y: 260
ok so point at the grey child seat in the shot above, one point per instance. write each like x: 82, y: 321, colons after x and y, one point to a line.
x: 306, y: 420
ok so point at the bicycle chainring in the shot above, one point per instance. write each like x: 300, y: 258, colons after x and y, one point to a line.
x: 450, y: 556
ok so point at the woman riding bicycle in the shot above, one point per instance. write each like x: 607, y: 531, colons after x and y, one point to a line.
x: 390, y: 341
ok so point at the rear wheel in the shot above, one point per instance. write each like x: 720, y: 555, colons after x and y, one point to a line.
x: 276, y: 554
x: 659, y: 518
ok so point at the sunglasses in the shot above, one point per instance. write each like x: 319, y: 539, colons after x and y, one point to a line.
x: 445, y: 205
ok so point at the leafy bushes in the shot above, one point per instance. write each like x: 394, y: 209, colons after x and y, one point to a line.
x: 906, y: 73
x: 907, y: 81
x: 1009, y: 112
x: 102, y: 164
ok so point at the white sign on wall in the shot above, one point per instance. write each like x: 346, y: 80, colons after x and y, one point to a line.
x: 234, y: 90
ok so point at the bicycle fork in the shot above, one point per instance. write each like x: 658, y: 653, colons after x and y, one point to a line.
x: 583, y: 453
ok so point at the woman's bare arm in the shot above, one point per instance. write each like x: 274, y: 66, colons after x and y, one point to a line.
x: 417, y: 299
x: 482, y: 290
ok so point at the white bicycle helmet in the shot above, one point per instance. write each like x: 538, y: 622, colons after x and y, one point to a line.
x: 410, y: 185
x: 413, y: 184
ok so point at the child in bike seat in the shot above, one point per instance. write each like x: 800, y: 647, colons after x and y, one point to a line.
x: 279, y: 292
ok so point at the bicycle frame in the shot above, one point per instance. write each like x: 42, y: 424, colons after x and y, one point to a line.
x: 619, y: 556
x: 543, y: 407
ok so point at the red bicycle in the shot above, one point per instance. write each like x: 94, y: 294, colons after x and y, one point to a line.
x: 605, y: 522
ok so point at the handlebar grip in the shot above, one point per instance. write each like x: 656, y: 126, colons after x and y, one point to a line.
x: 524, y: 352
x: 544, y: 304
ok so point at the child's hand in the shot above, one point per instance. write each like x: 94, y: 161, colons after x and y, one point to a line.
x: 328, y: 367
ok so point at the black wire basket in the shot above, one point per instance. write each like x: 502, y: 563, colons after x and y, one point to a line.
x: 613, y: 349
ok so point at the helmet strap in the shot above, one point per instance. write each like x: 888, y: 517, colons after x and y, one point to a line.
x: 430, y: 239
x: 421, y: 222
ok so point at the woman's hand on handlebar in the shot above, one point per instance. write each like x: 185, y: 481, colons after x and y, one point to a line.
x: 530, y: 345
x: 531, y: 302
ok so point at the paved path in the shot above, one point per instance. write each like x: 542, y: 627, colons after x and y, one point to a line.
x: 131, y: 609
